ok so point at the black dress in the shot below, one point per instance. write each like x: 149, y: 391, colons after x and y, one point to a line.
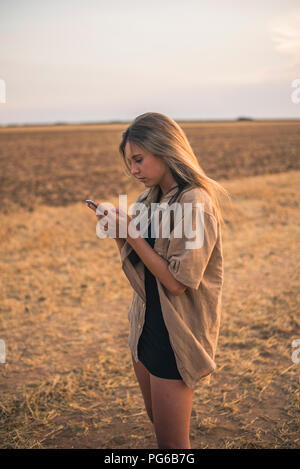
x: 154, y: 348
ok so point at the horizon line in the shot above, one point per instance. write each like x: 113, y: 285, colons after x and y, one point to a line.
x: 117, y: 121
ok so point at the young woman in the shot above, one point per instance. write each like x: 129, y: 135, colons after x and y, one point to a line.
x: 175, y: 311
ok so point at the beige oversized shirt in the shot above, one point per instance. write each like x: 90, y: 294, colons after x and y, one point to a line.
x: 193, y: 317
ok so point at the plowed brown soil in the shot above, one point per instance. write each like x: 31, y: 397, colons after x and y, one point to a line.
x: 68, y: 380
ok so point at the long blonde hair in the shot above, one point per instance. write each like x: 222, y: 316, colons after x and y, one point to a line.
x: 165, y: 139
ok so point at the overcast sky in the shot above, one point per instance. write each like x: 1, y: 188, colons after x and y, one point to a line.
x: 98, y: 60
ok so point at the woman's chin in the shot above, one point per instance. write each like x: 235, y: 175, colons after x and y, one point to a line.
x: 147, y: 183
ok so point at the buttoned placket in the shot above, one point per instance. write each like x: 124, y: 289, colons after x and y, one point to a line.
x: 140, y: 323
x: 141, y: 318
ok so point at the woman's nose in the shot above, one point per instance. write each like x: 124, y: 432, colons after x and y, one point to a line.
x: 134, y: 170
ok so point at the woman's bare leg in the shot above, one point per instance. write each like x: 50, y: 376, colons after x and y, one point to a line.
x: 143, y: 377
x: 171, y: 408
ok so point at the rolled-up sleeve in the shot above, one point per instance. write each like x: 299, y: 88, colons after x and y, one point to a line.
x: 188, y: 256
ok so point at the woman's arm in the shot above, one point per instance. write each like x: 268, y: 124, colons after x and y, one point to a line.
x: 120, y: 243
x: 156, y: 264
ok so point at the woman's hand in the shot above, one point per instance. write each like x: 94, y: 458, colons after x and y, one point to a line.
x: 115, y: 218
x: 117, y: 224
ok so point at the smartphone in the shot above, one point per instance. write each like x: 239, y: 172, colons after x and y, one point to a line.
x: 91, y: 202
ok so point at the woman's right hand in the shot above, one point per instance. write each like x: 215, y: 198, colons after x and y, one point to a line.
x: 98, y: 216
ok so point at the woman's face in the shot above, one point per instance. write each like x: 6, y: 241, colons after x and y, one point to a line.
x: 149, y: 169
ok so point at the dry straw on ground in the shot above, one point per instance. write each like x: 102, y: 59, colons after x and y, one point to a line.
x: 68, y: 380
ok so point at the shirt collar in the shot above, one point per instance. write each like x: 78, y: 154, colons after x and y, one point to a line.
x: 152, y: 195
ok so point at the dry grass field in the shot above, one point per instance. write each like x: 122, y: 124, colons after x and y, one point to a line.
x: 68, y: 380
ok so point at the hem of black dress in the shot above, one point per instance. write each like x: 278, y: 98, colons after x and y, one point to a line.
x: 156, y: 375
